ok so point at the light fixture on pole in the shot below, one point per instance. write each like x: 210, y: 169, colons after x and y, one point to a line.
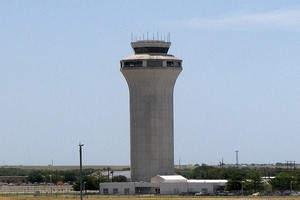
x: 291, y: 187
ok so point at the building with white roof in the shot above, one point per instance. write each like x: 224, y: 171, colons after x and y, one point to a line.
x: 166, y: 185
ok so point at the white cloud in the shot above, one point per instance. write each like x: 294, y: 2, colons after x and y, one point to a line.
x: 278, y: 19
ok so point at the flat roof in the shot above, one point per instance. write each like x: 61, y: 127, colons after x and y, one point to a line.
x: 173, y: 177
x: 151, y: 57
x: 207, y: 181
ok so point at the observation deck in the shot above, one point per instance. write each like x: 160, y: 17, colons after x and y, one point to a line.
x: 150, y: 53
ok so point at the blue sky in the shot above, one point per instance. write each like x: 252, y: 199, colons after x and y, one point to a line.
x: 60, y: 81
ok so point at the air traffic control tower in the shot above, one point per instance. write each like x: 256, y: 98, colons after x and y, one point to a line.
x: 151, y: 74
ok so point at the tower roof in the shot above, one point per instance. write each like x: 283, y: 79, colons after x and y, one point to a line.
x: 150, y: 47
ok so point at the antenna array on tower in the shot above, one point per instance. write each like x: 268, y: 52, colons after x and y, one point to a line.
x: 158, y: 37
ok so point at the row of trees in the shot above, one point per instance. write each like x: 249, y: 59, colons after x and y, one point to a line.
x: 92, y: 182
x: 91, y: 177
x: 35, y: 175
x: 275, y: 179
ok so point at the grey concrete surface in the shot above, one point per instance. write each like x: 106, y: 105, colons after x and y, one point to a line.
x: 151, y: 110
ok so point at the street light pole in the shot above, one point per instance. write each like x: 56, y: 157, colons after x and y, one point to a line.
x: 112, y: 175
x: 50, y: 184
x: 84, y: 187
x: 242, y: 188
x: 80, y: 178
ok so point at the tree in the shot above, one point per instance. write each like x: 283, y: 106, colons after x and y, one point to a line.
x: 282, y: 181
x: 119, y: 178
x: 108, y: 169
x: 69, y: 176
x: 207, y: 172
x: 36, y: 177
x: 187, y: 173
x: 296, y: 183
x: 254, y: 181
x: 91, y: 182
x: 236, y: 180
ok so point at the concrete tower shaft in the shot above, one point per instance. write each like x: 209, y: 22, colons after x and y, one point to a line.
x: 151, y: 75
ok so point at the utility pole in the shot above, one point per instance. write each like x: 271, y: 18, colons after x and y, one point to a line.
x: 80, y: 158
x: 237, y: 158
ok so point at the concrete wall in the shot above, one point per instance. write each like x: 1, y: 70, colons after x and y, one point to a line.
x: 31, y: 189
x: 117, y: 188
x: 201, y: 187
x: 124, y: 188
x: 173, y: 188
x: 177, y: 188
x: 151, y: 121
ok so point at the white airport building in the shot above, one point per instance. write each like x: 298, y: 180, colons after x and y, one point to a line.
x: 165, y: 185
